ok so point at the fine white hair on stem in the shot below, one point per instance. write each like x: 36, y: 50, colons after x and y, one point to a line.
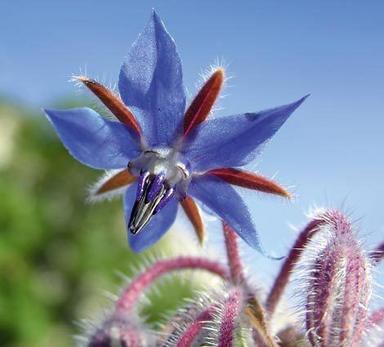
x: 178, y: 322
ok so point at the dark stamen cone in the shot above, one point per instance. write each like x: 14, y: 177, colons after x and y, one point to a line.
x: 121, y: 179
x: 112, y: 102
x: 202, y: 104
x: 193, y: 213
x: 249, y: 180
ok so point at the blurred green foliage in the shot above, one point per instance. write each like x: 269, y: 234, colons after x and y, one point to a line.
x: 57, y: 253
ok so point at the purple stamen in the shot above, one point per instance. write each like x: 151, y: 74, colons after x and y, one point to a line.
x: 168, y: 195
x: 141, y: 184
x: 155, y: 187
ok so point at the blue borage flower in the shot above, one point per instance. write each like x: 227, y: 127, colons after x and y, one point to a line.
x: 166, y: 154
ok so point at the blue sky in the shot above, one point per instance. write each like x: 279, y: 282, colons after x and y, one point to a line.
x: 331, y: 148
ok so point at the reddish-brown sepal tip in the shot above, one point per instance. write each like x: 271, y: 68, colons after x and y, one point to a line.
x: 112, y: 102
x: 250, y: 180
x: 201, y: 105
x: 193, y: 214
x: 121, y: 179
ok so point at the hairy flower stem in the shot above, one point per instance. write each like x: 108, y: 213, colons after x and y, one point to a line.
x: 231, y: 311
x: 233, y: 255
x: 294, y: 255
x: 254, y: 310
x: 131, y: 294
x: 194, y: 328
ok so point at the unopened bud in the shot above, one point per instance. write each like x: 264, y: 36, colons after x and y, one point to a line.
x: 339, y: 286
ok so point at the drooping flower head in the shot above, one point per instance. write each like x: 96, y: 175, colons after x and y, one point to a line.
x: 339, y: 286
x: 163, y: 153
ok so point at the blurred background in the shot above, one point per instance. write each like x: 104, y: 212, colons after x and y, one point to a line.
x: 58, y: 254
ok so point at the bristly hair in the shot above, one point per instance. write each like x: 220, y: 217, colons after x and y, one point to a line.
x: 93, y: 196
x: 77, y: 80
x: 204, y: 76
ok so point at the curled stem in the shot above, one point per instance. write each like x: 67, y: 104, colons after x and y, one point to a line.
x: 131, y: 294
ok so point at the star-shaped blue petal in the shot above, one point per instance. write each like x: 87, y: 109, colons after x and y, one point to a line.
x: 151, y: 83
x: 163, y: 154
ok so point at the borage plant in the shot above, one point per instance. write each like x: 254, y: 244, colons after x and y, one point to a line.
x: 160, y: 154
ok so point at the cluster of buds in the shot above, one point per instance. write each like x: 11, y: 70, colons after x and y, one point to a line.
x: 336, y: 276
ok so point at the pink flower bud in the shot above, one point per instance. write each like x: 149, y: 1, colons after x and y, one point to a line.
x: 339, y: 286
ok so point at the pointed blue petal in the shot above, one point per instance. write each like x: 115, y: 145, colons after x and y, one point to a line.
x: 234, y: 140
x: 151, y: 83
x: 94, y: 140
x: 227, y: 204
x: 156, y: 228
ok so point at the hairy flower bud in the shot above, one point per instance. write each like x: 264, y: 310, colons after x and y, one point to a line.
x: 339, y: 286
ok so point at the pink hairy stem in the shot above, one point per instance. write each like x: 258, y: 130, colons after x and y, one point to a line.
x: 233, y: 255
x: 254, y: 310
x: 131, y: 294
x: 231, y: 311
x: 194, y: 328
